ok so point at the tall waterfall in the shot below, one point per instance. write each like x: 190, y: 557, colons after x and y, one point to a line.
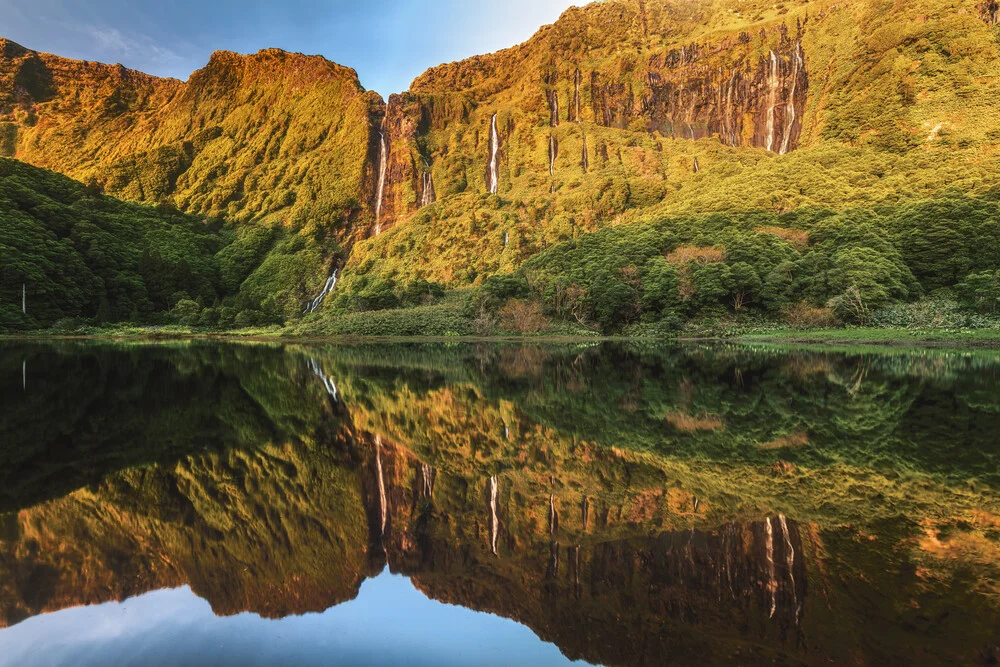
x: 553, y: 153
x: 383, y: 162
x: 553, y: 515
x: 697, y: 166
x: 772, y: 582
x: 328, y: 384
x: 798, y: 64
x: 427, y: 196
x: 554, y: 108
x: 576, y: 94
x: 383, y: 505
x: 24, y: 298
x: 586, y: 158
x: 331, y: 282
x: 494, y: 520
x: 773, y: 83
x: 494, y: 179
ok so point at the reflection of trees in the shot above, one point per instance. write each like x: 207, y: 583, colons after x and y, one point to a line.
x: 619, y: 535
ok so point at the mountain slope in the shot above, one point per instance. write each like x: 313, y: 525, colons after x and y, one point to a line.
x: 622, y: 111
x: 269, y: 135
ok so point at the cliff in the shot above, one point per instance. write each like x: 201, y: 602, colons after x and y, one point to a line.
x: 621, y: 110
x: 271, y: 135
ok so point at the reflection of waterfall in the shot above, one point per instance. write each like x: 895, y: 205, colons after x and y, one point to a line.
x: 494, y: 178
x: 328, y: 384
x: 773, y: 83
x: 772, y: 582
x: 494, y: 520
x: 790, y: 560
x: 383, y: 505
x: 425, y: 478
x: 331, y: 282
x: 797, y: 65
x: 553, y: 570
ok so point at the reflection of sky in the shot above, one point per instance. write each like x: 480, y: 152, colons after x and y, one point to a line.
x: 390, y: 623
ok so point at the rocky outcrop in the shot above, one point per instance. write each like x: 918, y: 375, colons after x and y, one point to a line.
x: 989, y: 11
x: 406, y: 177
x: 747, y: 103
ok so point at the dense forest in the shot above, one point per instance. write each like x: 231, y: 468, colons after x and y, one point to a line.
x: 75, y: 255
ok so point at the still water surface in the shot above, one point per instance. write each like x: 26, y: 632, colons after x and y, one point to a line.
x: 264, y: 504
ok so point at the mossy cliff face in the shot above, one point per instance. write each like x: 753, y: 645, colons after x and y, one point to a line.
x: 621, y: 110
x: 275, y: 135
x: 640, y: 110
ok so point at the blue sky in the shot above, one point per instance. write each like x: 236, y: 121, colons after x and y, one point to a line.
x: 389, y: 623
x: 389, y: 42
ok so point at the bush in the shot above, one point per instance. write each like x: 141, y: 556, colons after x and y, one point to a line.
x: 804, y: 316
x: 522, y: 317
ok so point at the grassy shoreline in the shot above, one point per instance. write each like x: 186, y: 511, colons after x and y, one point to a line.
x: 875, y: 337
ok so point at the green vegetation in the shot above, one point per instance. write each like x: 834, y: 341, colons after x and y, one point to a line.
x: 86, y: 259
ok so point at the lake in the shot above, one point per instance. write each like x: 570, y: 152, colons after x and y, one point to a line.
x: 203, y: 503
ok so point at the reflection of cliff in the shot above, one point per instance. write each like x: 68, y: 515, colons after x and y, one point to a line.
x: 651, y: 522
x: 290, y: 529
x: 278, y: 531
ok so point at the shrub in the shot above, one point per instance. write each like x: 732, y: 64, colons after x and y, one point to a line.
x: 683, y: 255
x: 804, y: 316
x: 523, y: 317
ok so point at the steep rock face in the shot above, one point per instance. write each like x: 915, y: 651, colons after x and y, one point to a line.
x: 272, y: 134
x: 409, y: 172
x: 989, y: 11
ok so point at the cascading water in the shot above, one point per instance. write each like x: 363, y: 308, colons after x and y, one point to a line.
x: 383, y: 505
x: 798, y: 64
x: 494, y: 177
x: 554, y: 108
x: 773, y: 582
x: 328, y: 384
x: 383, y: 162
x: 553, y: 153
x: 773, y: 84
x: 577, y: 76
x: 494, y: 520
x: 697, y: 166
x: 586, y: 158
x: 553, y: 515
x: 331, y: 282
x: 585, y: 513
x: 427, y: 196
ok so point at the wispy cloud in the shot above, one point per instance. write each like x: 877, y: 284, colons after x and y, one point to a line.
x: 130, y: 46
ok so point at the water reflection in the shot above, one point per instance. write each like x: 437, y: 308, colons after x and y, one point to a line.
x: 631, y: 505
